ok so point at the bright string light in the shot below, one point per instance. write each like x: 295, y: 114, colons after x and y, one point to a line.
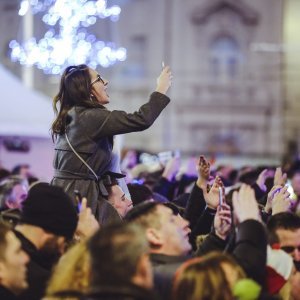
x: 71, y: 44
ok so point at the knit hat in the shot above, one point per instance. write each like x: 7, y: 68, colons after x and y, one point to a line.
x: 50, y: 208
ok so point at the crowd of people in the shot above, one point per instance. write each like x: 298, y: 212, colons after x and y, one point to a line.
x: 186, y: 233
x: 123, y: 228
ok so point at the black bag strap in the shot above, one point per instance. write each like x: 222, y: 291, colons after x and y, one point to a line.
x: 77, y: 154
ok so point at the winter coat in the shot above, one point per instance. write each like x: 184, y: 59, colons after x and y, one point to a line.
x: 90, y: 132
x: 121, y: 292
x: 6, y: 294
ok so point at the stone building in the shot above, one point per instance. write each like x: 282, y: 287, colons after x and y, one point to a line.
x: 227, y: 93
x: 233, y: 92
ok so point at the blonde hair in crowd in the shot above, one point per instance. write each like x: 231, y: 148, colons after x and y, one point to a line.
x: 72, y: 273
x: 204, y: 278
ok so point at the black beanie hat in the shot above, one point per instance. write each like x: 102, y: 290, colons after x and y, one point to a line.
x: 50, y: 208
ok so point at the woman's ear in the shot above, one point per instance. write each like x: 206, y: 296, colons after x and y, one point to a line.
x: 92, y: 97
x: 92, y: 91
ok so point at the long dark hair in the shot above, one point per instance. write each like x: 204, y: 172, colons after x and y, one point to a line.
x: 74, y: 90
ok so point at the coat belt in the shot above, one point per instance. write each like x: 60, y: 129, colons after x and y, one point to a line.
x: 101, y: 180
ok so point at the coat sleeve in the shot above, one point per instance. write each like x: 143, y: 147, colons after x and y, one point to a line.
x: 195, y: 206
x: 251, y: 249
x: 102, y: 123
x: 203, y: 225
x: 211, y: 243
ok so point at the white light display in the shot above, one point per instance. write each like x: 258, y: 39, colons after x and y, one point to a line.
x: 67, y: 42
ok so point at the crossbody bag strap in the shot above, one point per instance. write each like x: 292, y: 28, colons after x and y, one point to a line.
x: 77, y: 154
x: 82, y: 160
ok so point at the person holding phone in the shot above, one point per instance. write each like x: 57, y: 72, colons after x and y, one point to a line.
x: 84, y: 129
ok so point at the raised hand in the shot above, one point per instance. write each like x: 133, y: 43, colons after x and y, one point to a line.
x: 164, y: 80
x: 279, y: 177
x: 222, y: 221
x: 274, y: 190
x: 261, y: 180
x: 212, y: 197
x: 281, y: 201
x: 171, y: 168
x: 87, y: 224
x: 245, y: 205
x: 203, y: 169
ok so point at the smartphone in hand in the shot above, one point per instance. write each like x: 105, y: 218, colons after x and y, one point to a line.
x: 201, y: 159
x: 220, y: 196
x: 78, y: 199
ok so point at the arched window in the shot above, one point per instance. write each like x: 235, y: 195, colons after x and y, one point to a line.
x: 225, y: 57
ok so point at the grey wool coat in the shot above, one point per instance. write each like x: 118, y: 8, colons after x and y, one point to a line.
x: 90, y: 132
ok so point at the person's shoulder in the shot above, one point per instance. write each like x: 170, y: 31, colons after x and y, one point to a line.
x: 93, y: 111
x: 82, y: 109
x: 87, y: 113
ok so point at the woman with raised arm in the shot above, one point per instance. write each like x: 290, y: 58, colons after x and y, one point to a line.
x: 84, y: 128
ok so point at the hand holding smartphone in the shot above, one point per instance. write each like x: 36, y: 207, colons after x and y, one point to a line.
x: 164, y: 80
x: 220, y: 196
x: 78, y: 199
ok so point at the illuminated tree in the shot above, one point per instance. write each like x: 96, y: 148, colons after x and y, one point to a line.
x: 67, y: 41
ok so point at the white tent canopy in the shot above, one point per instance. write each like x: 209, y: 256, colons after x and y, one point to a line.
x: 23, y: 112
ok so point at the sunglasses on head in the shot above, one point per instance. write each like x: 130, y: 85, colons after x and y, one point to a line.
x: 73, y: 69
